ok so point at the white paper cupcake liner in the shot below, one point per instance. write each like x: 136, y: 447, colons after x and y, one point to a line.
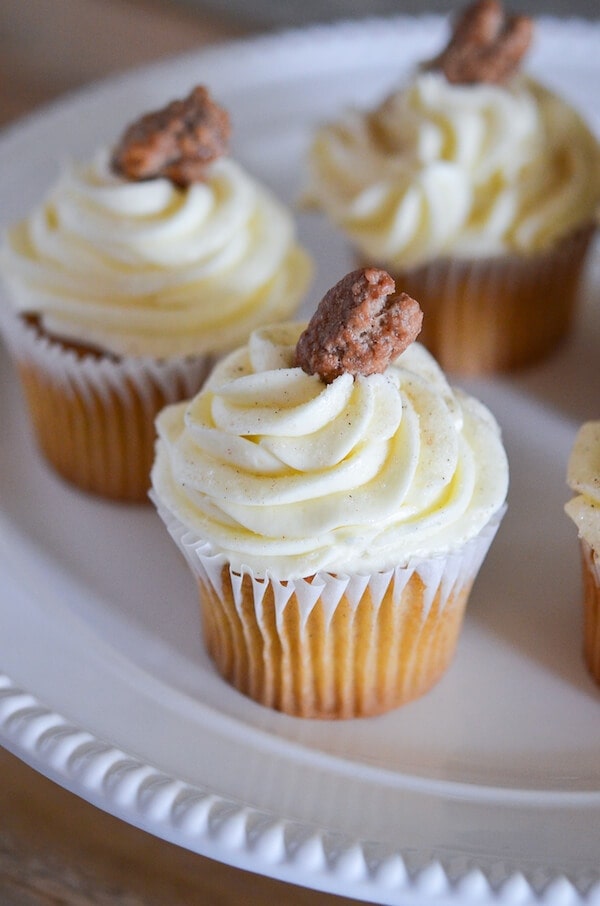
x: 359, y: 620
x: 447, y: 572
x: 93, y: 415
x: 102, y: 375
x: 592, y: 560
x: 590, y: 564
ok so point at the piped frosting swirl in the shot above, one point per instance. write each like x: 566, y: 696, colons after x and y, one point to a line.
x: 287, y: 475
x: 467, y: 171
x: 150, y: 269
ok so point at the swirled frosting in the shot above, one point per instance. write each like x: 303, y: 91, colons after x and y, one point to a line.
x: 583, y: 477
x: 287, y: 475
x: 146, y: 268
x: 440, y: 170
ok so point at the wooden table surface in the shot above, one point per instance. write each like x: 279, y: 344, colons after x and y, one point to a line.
x: 54, y: 847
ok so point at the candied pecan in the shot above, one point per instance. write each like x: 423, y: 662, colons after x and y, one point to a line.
x: 360, y: 326
x: 486, y: 45
x: 176, y: 142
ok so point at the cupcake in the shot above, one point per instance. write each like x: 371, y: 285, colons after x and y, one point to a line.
x: 140, y: 267
x: 476, y: 188
x: 583, y: 476
x: 334, y: 498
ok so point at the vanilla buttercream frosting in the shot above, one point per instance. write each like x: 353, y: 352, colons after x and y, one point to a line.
x: 583, y: 477
x: 287, y: 476
x: 446, y: 170
x: 149, y: 269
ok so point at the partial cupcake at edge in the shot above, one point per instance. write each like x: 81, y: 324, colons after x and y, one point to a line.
x: 477, y: 188
x: 139, y: 268
x: 583, y: 477
x: 334, y: 498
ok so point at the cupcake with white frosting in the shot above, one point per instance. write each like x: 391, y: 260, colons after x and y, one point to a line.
x: 583, y: 477
x: 140, y: 267
x: 335, y: 520
x: 477, y: 188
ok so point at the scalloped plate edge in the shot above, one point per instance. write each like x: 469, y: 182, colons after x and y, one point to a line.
x: 247, y: 838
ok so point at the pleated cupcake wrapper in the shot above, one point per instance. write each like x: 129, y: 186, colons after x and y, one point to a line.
x: 443, y: 583
x: 446, y: 572
x: 590, y: 562
x: 103, y: 375
x: 592, y: 559
x: 498, y: 314
x: 93, y: 415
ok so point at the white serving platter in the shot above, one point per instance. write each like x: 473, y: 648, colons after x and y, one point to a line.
x: 485, y: 791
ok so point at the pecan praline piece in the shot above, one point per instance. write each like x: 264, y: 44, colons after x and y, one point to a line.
x: 487, y: 45
x: 176, y: 142
x: 360, y: 326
